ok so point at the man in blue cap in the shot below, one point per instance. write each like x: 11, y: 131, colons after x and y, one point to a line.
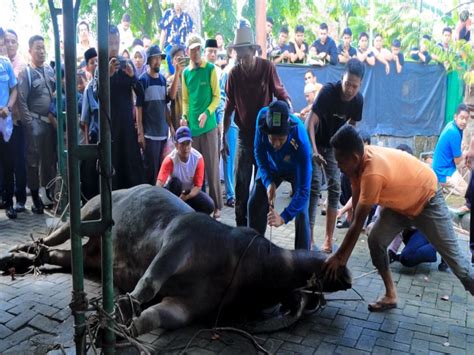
x: 282, y: 153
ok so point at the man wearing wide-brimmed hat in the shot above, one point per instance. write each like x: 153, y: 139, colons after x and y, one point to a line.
x: 251, y: 85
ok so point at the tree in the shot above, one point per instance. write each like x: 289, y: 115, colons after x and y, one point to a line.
x: 223, y: 19
x: 145, y: 14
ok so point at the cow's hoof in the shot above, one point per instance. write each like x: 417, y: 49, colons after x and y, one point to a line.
x: 126, y: 308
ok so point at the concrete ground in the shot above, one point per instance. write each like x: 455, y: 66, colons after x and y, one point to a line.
x: 435, y: 314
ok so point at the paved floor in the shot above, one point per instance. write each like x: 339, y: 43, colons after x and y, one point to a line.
x: 435, y: 314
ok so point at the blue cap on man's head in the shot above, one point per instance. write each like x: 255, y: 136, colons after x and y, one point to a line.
x: 183, y: 134
x: 276, y: 122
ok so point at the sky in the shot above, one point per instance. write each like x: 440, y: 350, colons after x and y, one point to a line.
x: 24, y: 21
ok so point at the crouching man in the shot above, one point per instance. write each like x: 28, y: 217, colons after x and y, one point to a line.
x: 407, y: 191
x: 282, y: 153
x: 182, y: 172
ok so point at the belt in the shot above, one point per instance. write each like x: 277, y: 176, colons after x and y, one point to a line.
x: 41, y: 117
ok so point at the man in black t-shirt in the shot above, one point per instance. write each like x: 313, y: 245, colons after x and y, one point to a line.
x: 397, y: 55
x: 299, y: 49
x: 281, y: 53
x: 345, y: 51
x: 337, y: 104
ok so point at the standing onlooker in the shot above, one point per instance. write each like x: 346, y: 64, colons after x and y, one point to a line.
x: 364, y: 54
x: 146, y: 41
x: 397, y: 55
x: 269, y: 37
x: 447, y: 36
x: 85, y: 41
x: 221, y: 60
x: 139, y: 60
x: 463, y: 28
x: 251, y: 85
x: 17, y: 140
x: 200, y: 99
x: 421, y: 54
x: 210, y: 51
x: 8, y: 96
x: 283, y: 153
x: 281, y: 52
x: 337, y: 104
x: 126, y: 159
x: 310, y: 93
x: 345, y: 50
x: 299, y: 49
x: 382, y: 54
x: 175, y: 25
x: 175, y: 90
x: 228, y: 161
x: 126, y: 35
x: 324, y: 47
x: 36, y: 89
x: 89, y: 124
x: 448, y: 153
x: 152, y: 120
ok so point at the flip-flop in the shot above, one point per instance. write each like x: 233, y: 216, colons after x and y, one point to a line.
x: 381, y: 306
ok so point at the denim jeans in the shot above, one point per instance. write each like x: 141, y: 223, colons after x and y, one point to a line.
x: 333, y: 176
x: 258, y: 210
x: 417, y: 250
x: 229, y: 162
x: 243, y: 177
x: 435, y: 223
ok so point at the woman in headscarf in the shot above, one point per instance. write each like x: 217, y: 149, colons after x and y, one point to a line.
x: 139, y: 59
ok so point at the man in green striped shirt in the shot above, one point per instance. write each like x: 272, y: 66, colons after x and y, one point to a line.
x: 201, y: 97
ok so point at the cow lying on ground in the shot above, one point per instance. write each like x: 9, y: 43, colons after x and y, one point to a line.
x: 183, y: 265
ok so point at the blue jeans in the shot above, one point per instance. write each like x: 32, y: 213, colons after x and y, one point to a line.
x: 435, y: 223
x: 333, y: 176
x: 417, y: 250
x: 258, y: 209
x: 229, y: 162
x: 152, y: 159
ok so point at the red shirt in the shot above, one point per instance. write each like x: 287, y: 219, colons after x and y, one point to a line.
x: 248, y: 92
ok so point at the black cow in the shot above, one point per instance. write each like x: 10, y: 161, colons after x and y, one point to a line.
x: 182, y: 264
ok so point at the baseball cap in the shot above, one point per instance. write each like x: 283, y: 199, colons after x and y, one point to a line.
x: 183, y: 134
x: 276, y: 121
x: 396, y: 43
x: 194, y: 41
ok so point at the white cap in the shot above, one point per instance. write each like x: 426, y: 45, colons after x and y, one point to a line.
x: 308, y: 88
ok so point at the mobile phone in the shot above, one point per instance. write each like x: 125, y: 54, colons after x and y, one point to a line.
x: 123, y: 63
x: 184, y: 61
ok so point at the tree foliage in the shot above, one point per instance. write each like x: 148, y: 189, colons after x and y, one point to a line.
x: 221, y: 18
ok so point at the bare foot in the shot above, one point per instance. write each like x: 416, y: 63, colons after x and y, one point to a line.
x: 327, y: 247
x: 217, y: 214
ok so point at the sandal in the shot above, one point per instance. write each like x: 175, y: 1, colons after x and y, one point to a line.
x: 380, y: 306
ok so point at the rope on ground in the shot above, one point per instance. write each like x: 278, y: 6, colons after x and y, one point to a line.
x: 228, y: 329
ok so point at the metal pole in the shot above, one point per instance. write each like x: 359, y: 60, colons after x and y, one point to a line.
x: 55, y: 12
x: 79, y: 301
x: 106, y: 169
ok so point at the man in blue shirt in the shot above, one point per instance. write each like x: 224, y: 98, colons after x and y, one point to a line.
x: 282, y: 153
x: 448, y: 152
x: 326, y: 49
x: 8, y: 95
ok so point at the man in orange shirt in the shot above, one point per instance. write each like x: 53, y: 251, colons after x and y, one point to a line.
x: 407, y: 191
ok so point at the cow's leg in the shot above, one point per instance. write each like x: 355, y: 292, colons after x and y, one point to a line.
x: 170, y: 313
x: 168, y: 262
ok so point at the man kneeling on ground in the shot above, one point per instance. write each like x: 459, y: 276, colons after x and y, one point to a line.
x: 407, y: 191
x: 182, y: 172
